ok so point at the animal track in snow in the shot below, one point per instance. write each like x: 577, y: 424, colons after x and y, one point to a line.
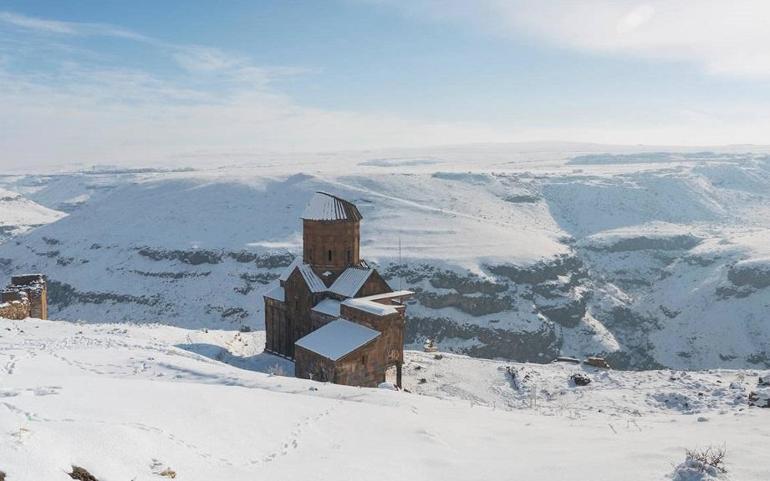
x: 292, y: 441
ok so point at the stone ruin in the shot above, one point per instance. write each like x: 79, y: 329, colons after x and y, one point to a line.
x: 25, y: 296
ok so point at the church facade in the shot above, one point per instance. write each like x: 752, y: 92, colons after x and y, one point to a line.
x: 335, y: 316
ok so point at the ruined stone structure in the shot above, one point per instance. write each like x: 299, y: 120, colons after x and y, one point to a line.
x: 330, y: 312
x: 25, y: 296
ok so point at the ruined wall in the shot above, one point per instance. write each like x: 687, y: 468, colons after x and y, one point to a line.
x: 26, y: 296
x: 36, y: 289
x: 16, y: 310
x: 341, y: 239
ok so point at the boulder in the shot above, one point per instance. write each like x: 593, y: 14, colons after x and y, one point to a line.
x: 580, y: 379
x: 760, y: 398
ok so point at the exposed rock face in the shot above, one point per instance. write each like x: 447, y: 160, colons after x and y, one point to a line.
x: 546, y: 296
x: 61, y: 295
x: 541, y: 345
x: 473, y: 305
x: 753, y: 273
x: 197, y: 257
x: 760, y: 398
x: 639, y: 243
x: 540, y: 272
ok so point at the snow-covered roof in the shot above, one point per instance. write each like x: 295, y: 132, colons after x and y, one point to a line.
x: 314, y: 283
x: 324, y: 206
x: 276, y: 293
x: 350, y: 281
x: 338, y: 338
x: 369, y: 303
x: 330, y: 307
x: 389, y: 295
x: 285, y: 275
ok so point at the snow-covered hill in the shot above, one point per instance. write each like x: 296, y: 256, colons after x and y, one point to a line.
x: 18, y: 214
x: 132, y: 402
x: 650, y: 258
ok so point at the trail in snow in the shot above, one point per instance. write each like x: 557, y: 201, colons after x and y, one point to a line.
x: 125, y: 403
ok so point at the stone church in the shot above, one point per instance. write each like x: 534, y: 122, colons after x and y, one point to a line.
x: 330, y: 312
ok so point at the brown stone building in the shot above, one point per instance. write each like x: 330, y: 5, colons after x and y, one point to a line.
x: 25, y: 296
x: 330, y: 312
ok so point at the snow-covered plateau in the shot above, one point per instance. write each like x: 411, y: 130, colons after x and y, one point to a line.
x: 152, y: 402
x: 652, y: 258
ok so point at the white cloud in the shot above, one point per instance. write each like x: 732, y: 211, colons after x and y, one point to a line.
x: 43, y: 125
x: 205, y: 59
x: 722, y: 37
x: 84, y: 111
x: 67, y: 28
x: 50, y: 26
x: 194, y: 58
x: 90, y: 108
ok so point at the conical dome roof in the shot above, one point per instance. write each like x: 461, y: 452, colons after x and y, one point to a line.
x: 328, y: 207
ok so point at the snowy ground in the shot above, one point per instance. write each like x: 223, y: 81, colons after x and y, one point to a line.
x: 127, y: 402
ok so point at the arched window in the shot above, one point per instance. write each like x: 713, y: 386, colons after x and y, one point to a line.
x: 330, y: 255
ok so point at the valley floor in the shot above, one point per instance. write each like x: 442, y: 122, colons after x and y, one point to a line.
x: 128, y: 402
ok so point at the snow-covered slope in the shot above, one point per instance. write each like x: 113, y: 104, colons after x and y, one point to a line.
x: 520, y: 252
x: 129, y: 402
x: 19, y: 214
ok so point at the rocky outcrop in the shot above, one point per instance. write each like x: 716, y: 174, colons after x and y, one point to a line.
x: 473, y: 305
x: 541, y: 345
x: 540, y: 272
x: 61, y: 294
x: 752, y: 273
x: 467, y: 284
x: 643, y: 242
x: 193, y: 257
x: 196, y: 257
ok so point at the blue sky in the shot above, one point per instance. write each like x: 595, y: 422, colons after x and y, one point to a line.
x: 122, y: 81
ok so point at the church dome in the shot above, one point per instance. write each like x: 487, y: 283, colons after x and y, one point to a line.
x: 328, y: 207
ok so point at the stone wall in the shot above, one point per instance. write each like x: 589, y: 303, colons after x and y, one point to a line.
x: 319, y: 320
x: 363, y: 367
x: 374, y: 285
x: 276, y: 334
x: 391, y: 326
x: 299, y: 301
x: 309, y: 365
x: 16, y: 310
x: 331, y: 245
x: 34, y: 287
